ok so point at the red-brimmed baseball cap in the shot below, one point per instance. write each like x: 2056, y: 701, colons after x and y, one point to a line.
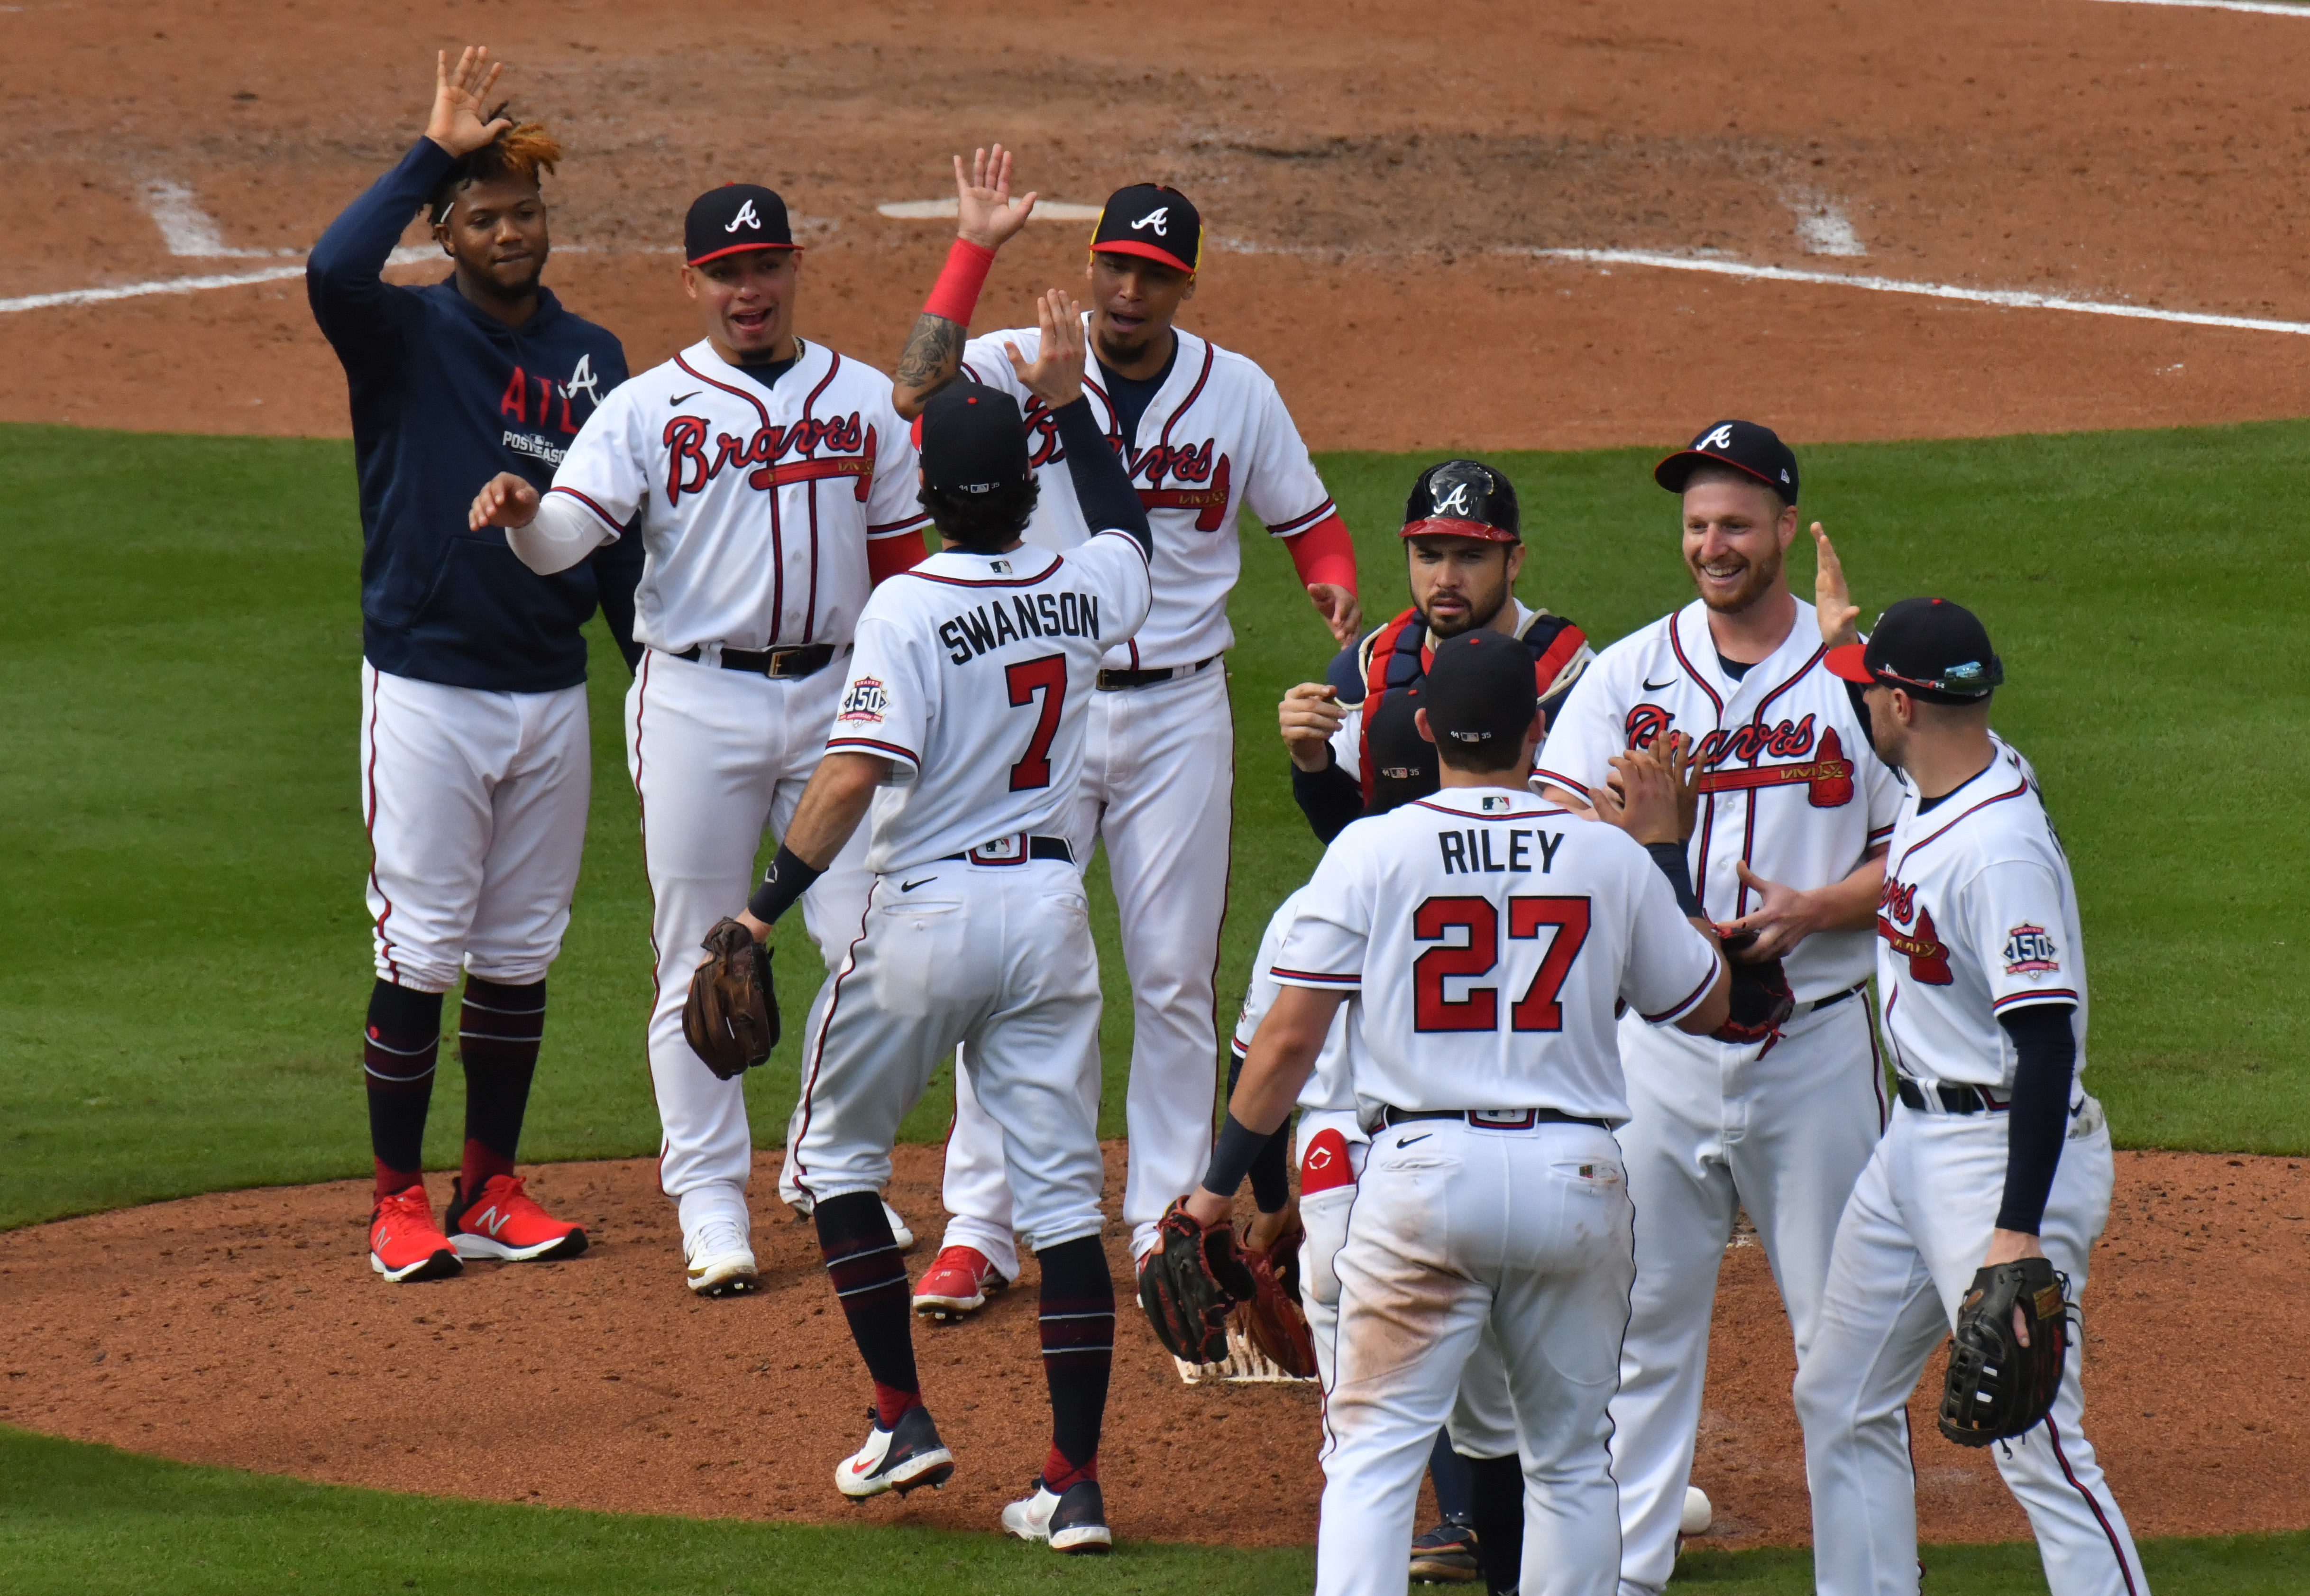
x: 1744, y: 446
x: 732, y: 219
x: 1464, y: 499
x: 1150, y: 220
x: 1929, y: 647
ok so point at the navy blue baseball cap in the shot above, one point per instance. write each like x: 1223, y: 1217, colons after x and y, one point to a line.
x: 1929, y: 648
x: 734, y: 217
x: 1744, y: 446
x: 974, y: 441
x: 1480, y: 690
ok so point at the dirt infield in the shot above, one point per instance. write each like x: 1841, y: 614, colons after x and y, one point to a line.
x: 246, y: 1328
x: 1375, y: 176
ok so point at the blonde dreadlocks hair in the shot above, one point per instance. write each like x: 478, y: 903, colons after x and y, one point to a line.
x: 522, y: 151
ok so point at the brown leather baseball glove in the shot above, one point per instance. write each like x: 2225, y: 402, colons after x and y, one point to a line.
x: 1762, y: 999
x: 731, y: 1017
x: 1190, y: 1281
x: 1271, y: 1317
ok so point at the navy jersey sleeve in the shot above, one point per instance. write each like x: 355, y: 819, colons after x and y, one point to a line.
x: 344, y: 275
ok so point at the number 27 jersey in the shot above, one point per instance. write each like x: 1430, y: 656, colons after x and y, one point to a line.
x: 1491, y: 937
x: 972, y: 675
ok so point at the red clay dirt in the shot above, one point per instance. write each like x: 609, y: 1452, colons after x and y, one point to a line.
x: 1373, y: 175
x: 245, y: 1329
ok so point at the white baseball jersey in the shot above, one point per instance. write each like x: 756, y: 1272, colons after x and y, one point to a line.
x: 1790, y: 783
x: 1331, y: 1085
x: 1978, y: 918
x: 1491, y: 937
x: 1215, y: 440
x: 973, y: 675
x: 757, y: 502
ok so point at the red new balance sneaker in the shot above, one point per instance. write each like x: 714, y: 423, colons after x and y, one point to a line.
x: 503, y: 1222
x: 958, y: 1281
x: 403, y: 1243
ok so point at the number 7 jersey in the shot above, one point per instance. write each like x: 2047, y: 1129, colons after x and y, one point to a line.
x: 972, y: 675
x: 1491, y: 937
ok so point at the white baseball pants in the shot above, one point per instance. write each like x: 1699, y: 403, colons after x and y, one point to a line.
x: 1456, y: 1227
x: 1782, y: 1129
x: 1158, y: 789
x: 475, y: 804
x: 1913, y: 1235
x: 1483, y: 1419
x: 718, y: 758
x: 997, y: 957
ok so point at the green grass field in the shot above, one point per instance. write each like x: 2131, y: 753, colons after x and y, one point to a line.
x: 186, y: 954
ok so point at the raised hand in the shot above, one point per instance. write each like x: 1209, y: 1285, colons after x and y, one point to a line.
x: 504, y: 500
x: 1643, y: 800
x: 1833, y: 607
x: 986, y: 214
x: 457, y: 123
x: 1055, y: 375
x: 1676, y: 753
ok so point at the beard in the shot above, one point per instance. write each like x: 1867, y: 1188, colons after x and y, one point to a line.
x: 1755, y: 584
x: 1477, y: 619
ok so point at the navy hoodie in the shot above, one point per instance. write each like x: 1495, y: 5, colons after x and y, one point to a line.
x: 444, y: 397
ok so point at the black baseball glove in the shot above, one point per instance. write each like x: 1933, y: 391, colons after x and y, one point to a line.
x: 1190, y: 1282
x: 1761, y: 999
x: 1997, y: 1387
x: 731, y: 1015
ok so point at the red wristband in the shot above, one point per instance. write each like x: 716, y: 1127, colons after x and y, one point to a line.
x: 1325, y: 552
x: 956, y: 294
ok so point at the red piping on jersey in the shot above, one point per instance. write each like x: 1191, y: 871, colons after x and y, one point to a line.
x: 1876, y: 1066
x: 817, y: 1050
x: 2052, y: 994
x: 1194, y: 393
x: 1284, y: 529
x: 641, y: 817
x: 1707, y: 829
x: 2053, y: 1433
x: 761, y: 409
x: 1056, y: 562
x: 1692, y: 997
x: 1928, y: 841
x: 589, y: 504
x: 1522, y: 814
x: 1558, y: 779
x: 809, y: 616
x: 1281, y: 974
x: 906, y: 754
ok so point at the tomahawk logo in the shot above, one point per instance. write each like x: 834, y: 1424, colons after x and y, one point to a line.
x: 1158, y: 219
x: 1721, y: 438
x: 582, y: 380
x: 744, y: 218
x: 1455, y: 502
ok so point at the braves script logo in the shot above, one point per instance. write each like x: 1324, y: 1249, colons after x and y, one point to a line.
x: 1721, y: 438
x: 1827, y: 776
x: 1158, y: 219
x: 2029, y: 951
x: 1919, y: 942
x: 744, y: 218
x: 864, y: 701
x: 689, y: 467
x: 1203, y: 484
x: 1455, y: 502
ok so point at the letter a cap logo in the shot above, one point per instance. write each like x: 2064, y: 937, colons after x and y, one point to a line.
x: 733, y: 218
x: 1152, y: 221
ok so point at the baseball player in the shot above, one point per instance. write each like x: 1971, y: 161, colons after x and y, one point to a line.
x: 1778, y: 1113
x: 1354, y: 752
x: 475, y: 766
x: 964, y: 724
x: 1995, y: 1152
x: 1203, y: 436
x: 774, y: 486
x: 1487, y: 938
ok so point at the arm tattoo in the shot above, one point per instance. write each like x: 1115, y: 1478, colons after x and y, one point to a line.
x: 933, y: 355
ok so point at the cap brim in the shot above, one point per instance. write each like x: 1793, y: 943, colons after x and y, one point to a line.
x: 1674, y: 471
x: 1481, y: 531
x: 700, y: 260
x: 1845, y: 660
x: 1149, y: 251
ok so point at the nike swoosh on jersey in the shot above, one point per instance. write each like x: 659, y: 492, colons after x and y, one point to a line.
x: 910, y: 886
x: 1654, y: 687
x: 678, y: 398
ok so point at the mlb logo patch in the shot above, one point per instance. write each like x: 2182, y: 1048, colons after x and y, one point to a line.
x: 1495, y: 805
x: 2029, y: 951
x: 1002, y: 567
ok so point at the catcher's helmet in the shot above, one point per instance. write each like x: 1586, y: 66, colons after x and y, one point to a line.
x: 1464, y: 499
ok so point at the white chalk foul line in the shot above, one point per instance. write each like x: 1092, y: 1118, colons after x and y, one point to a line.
x: 2011, y: 299
x: 137, y: 291
x: 2259, y: 7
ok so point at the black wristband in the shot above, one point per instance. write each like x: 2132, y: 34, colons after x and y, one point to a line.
x: 1678, y: 868
x: 1231, y: 1159
x: 787, y: 878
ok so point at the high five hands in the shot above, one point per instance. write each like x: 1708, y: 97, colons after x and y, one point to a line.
x: 1055, y: 374
x: 985, y: 215
x: 457, y: 123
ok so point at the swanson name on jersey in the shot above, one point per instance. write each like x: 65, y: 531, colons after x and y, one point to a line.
x: 1025, y: 615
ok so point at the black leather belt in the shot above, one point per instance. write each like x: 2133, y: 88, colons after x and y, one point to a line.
x: 1954, y: 1099
x: 784, y: 664
x: 1038, y: 847
x: 1492, y: 1119
x: 1115, y: 681
x: 1831, y: 1000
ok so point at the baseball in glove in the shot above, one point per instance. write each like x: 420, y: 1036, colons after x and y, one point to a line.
x: 1998, y: 1386
x: 1270, y: 1317
x: 731, y: 1017
x: 1761, y: 999
x: 1190, y: 1281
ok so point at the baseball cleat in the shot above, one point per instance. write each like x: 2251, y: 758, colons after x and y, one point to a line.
x: 1445, y: 1555
x: 720, y: 1261
x: 1697, y: 1514
x: 958, y: 1281
x: 404, y: 1244
x: 900, y: 1232
x: 1074, y: 1521
x: 907, y: 1454
x: 502, y: 1221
